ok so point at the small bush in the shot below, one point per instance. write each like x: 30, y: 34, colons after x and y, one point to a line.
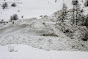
x: 22, y: 16
x: 41, y: 15
x: 2, y: 21
x: 13, y: 22
x: 50, y: 34
x: 13, y: 5
x: 86, y: 3
x: 14, y: 17
x: 86, y: 20
x: 67, y: 31
x: 85, y: 38
x: 5, y: 5
x: 11, y: 49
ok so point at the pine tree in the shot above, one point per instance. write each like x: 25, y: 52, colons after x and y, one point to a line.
x: 64, y: 13
x: 76, y: 12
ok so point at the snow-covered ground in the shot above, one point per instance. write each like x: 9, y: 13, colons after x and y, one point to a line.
x: 27, y: 52
x: 29, y: 8
x: 33, y: 38
x: 33, y: 8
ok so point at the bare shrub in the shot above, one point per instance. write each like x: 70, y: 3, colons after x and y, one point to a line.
x: 2, y: 21
x: 13, y: 5
x: 86, y: 21
x: 22, y: 16
x: 85, y: 38
x: 86, y: 3
x: 14, y: 17
x: 11, y: 49
x: 68, y: 33
x: 50, y: 34
x: 4, y: 5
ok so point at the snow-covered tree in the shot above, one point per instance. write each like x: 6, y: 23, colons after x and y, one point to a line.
x: 4, y: 5
x: 64, y: 12
x: 77, y: 12
x: 86, y: 3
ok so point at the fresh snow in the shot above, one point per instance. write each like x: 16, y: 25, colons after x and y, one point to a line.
x: 33, y: 8
x: 25, y: 37
x: 29, y: 8
x: 27, y: 52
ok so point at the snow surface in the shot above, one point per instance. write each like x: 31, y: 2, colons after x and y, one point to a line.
x: 34, y: 8
x: 29, y: 8
x: 27, y: 52
x: 29, y: 32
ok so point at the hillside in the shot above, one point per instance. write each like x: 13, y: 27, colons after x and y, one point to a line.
x: 45, y: 33
x: 40, y: 26
x: 28, y: 9
x: 42, y: 29
x: 34, y: 8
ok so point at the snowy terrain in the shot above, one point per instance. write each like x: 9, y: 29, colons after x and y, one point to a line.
x: 43, y: 34
x: 33, y: 8
x: 29, y: 8
x: 39, y: 34
x: 27, y: 52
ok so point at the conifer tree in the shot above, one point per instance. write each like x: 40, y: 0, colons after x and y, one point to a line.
x: 64, y: 12
x: 76, y: 12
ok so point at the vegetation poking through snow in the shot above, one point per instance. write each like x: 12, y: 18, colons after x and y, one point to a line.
x: 51, y: 34
x: 85, y: 38
x: 64, y: 13
x: 13, y: 5
x: 4, y: 5
x: 2, y: 21
x: 86, y: 3
x: 14, y: 17
x: 11, y: 49
x: 86, y: 21
x: 65, y: 30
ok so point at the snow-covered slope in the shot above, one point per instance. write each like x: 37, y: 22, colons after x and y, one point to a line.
x: 34, y: 8
x: 41, y: 35
x: 28, y: 8
x: 45, y: 33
